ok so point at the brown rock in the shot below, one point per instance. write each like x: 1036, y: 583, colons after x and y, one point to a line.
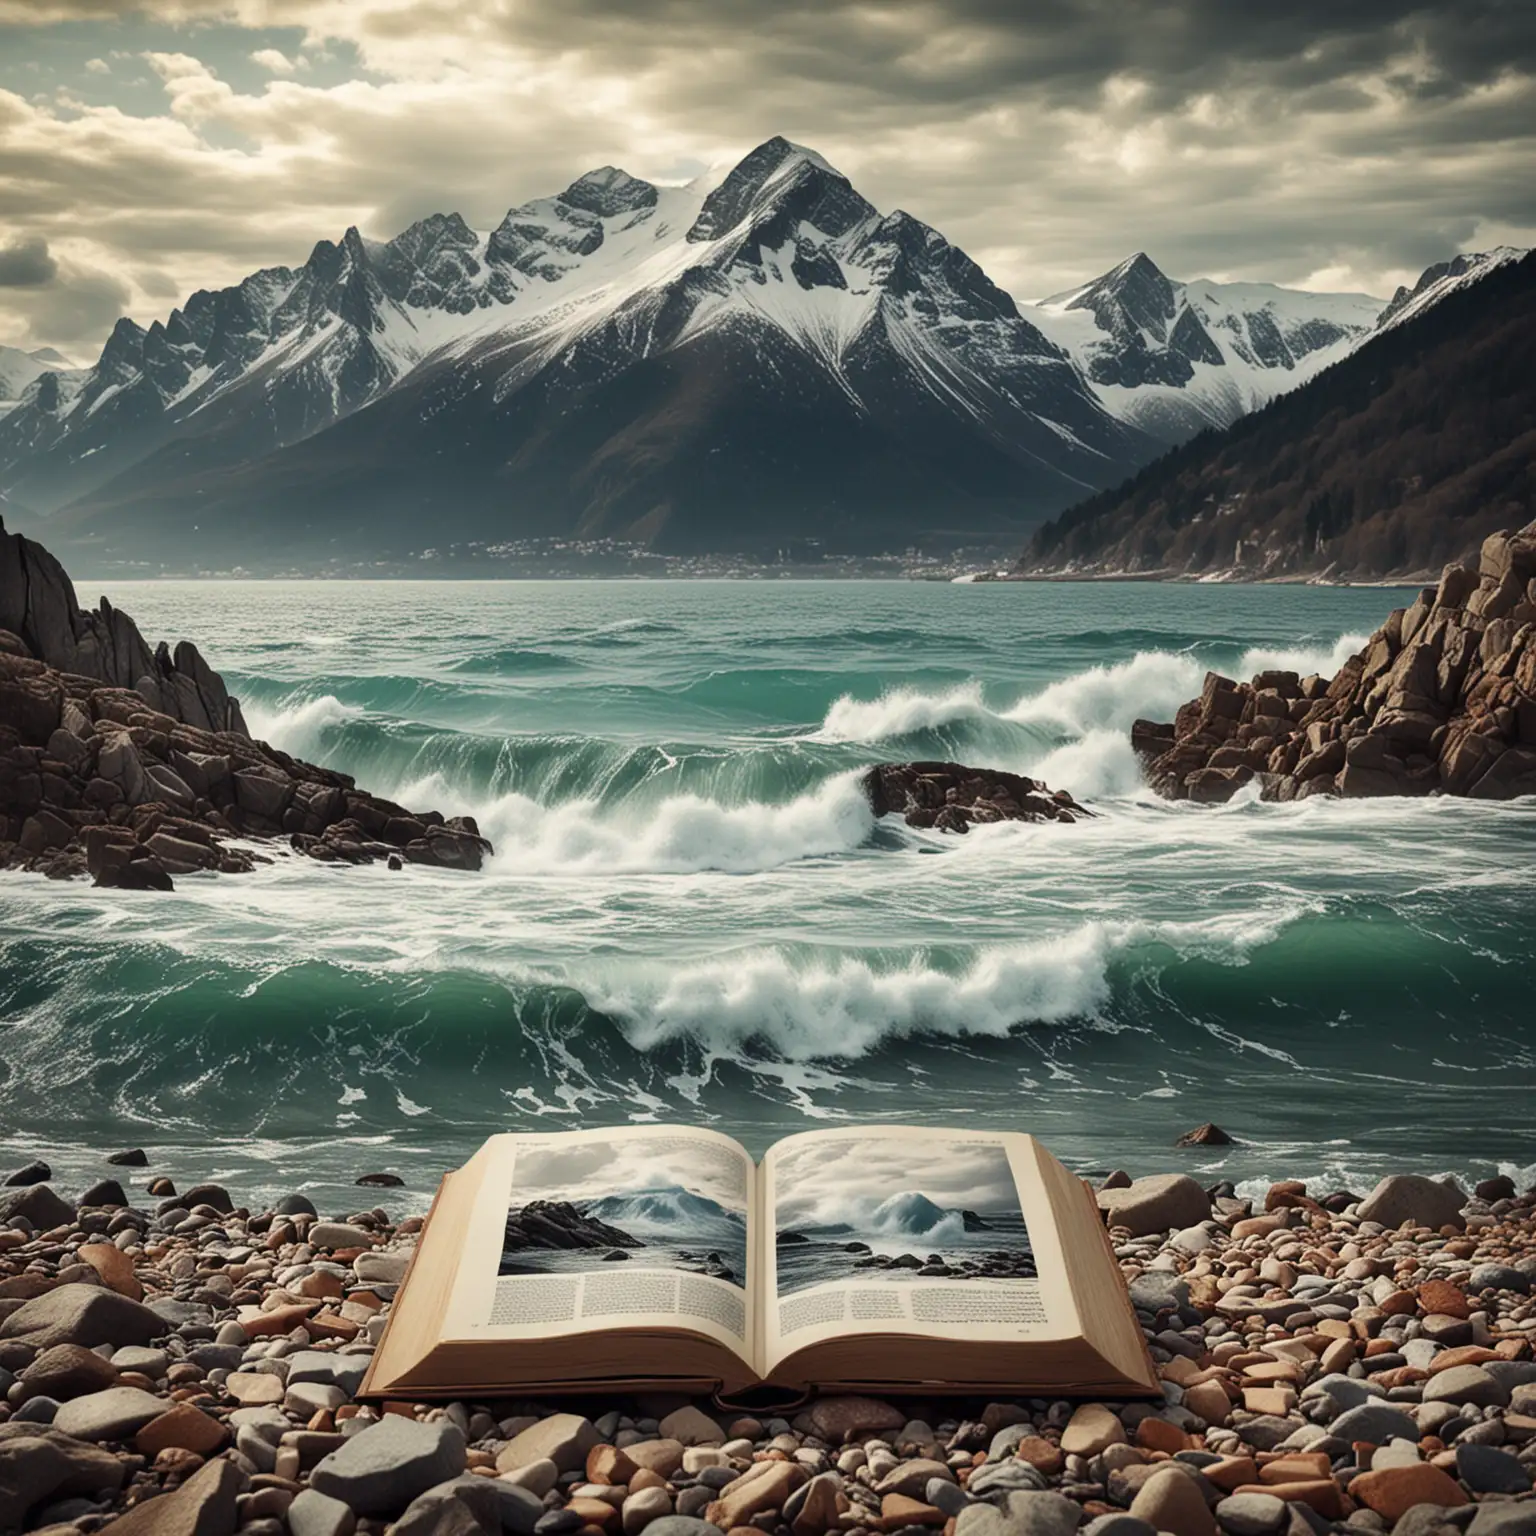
x: 1443, y: 1297
x: 1091, y: 1429
x: 765, y: 1486
x: 115, y: 1268
x: 1170, y: 1500
x: 607, y: 1465
x: 1208, y: 1135
x: 838, y: 1419
x: 897, y: 1510
x: 1042, y: 1455
x: 67, y: 1371
x: 182, y: 1428
x: 1154, y: 1434
x: 1393, y: 1491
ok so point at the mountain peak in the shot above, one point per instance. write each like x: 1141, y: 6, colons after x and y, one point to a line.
x: 608, y: 192
x: 761, y: 181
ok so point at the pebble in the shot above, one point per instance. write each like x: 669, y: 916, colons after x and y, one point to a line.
x: 1296, y: 1348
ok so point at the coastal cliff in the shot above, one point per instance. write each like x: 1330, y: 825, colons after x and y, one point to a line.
x: 135, y: 765
x: 1442, y: 700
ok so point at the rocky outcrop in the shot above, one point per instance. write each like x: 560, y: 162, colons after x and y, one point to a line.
x: 1442, y: 700
x: 559, y: 1224
x: 135, y: 766
x: 949, y: 797
x: 38, y: 607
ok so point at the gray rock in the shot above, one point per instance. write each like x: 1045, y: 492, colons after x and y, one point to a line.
x: 339, y: 1234
x: 295, y: 1205
x: 36, y: 1172
x: 912, y: 1477
x: 383, y: 1268
x: 1499, y: 1277
x: 520, y: 1508
x: 1252, y: 1514
x: 1006, y: 1441
x: 694, y: 1501
x: 382, y: 1468
x: 1155, y: 1205
x: 1504, y: 1520
x: 115, y: 1414
x: 1343, y: 1391
x: 1512, y: 1374
x: 1269, y: 1430
x: 328, y: 1369
x: 949, y: 1497
x: 147, y: 1362
x: 1156, y: 1289
x: 1376, y: 1422
x: 997, y: 1479
x: 682, y: 1525
x: 314, y: 1514
x: 1118, y: 1524
x: 1430, y: 1520
x: 1022, y: 1514
x: 1409, y: 1197
x: 1466, y: 1384
x: 466, y: 1505
x: 40, y: 1205
x: 1486, y: 1469
x: 81, y: 1314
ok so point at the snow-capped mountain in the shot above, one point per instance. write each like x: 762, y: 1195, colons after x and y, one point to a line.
x: 734, y: 364
x: 1172, y: 358
x: 756, y: 360
x: 18, y: 369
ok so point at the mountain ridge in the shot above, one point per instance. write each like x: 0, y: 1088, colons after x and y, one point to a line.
x: 755, y: 360
x: 1397, y: 459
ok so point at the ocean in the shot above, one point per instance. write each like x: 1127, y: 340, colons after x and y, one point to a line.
x: 693, y: 917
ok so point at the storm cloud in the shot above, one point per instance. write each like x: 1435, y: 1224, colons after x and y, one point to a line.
x: 1303, y: 142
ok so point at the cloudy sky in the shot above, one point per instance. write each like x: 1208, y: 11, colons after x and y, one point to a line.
x: 147, y: 149
x: 830, y: 1181
x: 589, y: 1170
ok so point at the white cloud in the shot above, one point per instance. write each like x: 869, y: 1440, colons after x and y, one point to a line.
x: 1048, y: 142
x: 275, y: 61
x: 98, y: 67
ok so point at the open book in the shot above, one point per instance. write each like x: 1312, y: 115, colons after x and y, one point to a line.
x: 884, y: 1258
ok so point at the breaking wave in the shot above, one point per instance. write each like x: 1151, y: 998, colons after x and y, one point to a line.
x: 685, y: 834
x: 806, y: 1006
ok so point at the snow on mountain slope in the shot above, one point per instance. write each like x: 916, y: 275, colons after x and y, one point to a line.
x: 805, y: 343
x: 1174, y: 357
x: 1444, y: 278
x: 623, y: 360
x: 19, y: 370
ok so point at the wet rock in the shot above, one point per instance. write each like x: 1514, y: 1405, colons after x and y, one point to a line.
x: 37, y: 1172
x: 1408, y: 1197
x: 1208, y: 1135
x: 39, y: 1205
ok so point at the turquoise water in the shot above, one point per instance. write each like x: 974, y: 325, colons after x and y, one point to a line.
x: 692, y: 915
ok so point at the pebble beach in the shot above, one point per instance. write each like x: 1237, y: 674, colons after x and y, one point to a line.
x: 174, y: 1362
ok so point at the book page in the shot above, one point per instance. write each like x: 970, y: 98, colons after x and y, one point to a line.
x: 889, y: 1229
x: 626, y: 1228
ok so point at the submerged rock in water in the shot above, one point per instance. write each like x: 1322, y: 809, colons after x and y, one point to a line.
x: 949, y: 797
x: 136, y: 767
x: 1442, y: 700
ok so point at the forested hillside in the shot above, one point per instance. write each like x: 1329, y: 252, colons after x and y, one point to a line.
x: 1403, y: 456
